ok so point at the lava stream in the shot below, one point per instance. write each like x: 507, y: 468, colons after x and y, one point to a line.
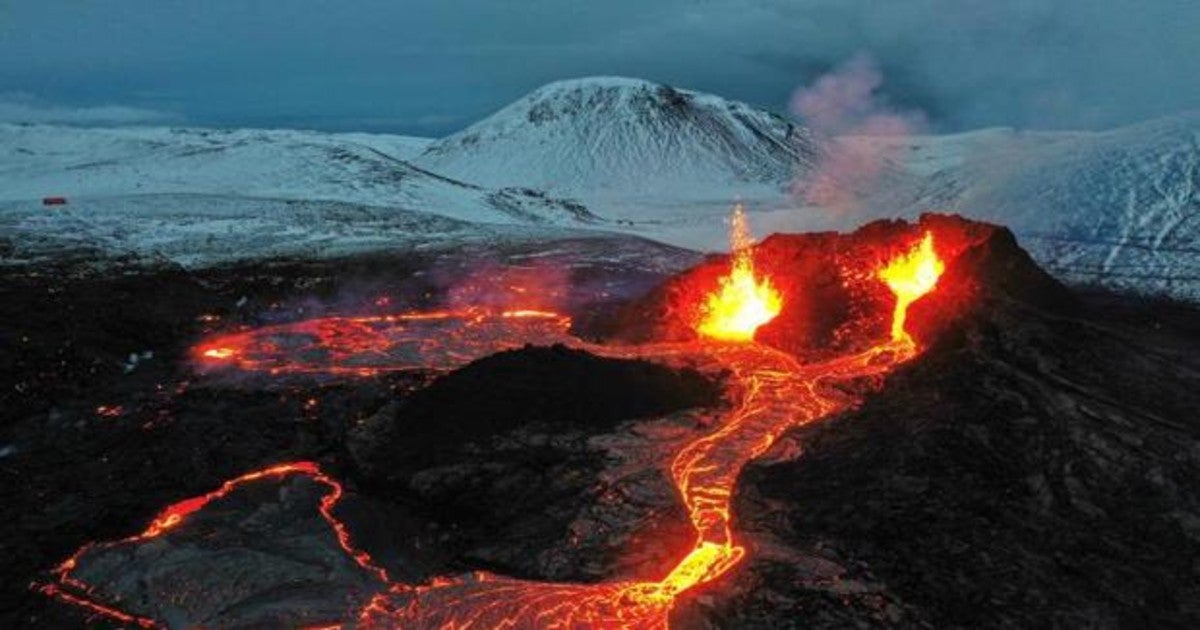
x: 776, y: 394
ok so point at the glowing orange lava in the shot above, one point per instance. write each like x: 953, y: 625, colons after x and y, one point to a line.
x: 219, y: 353
x: 70, y: 590
x: 910, y: 276
x: 366, y: 345
x: 769, y: 390
x: 742, y: 302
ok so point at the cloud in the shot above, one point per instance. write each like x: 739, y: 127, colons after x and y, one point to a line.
x: 965, y: 63
x: 19, y: 107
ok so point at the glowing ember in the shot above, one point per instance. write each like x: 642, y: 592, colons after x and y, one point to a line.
x: 742, y: 302
x: 109, y: 411
x: 530, y: 313
x: 910, y: 276
x: 219, y: 353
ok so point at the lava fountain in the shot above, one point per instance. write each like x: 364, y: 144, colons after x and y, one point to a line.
x: 742, y: 301
x: 910, y: 276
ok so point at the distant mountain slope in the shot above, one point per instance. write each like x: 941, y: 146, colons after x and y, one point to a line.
x: 203, y: 230
x: 1118, y: 208
x: 39, y: 160
x: 617, y: 136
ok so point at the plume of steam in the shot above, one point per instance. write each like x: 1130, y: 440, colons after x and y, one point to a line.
x: 848, y: 118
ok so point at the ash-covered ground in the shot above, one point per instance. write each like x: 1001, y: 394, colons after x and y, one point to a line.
x: 1037, y: 465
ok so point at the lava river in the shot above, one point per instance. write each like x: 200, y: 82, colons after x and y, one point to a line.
x: 770, y: 393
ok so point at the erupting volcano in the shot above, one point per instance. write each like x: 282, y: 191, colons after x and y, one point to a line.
x: 743, y: 302
x: 768, y: 392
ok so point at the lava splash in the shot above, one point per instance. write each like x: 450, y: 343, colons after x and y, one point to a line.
x: 743, y: 302
x: 911, y: 276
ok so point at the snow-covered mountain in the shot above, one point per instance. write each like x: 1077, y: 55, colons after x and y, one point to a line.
x: 1117, y: 208
x: 615, y: 137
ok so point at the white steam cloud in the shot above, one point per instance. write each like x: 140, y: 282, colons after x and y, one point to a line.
x: 19, y: 107
x: 848, y: 118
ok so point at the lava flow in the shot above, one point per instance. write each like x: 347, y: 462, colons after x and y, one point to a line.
x: 71, y: 590
x: 911, y: 276
x: 770, y: 393
x: 742, y: 302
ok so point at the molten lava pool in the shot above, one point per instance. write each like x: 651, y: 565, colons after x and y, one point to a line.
x: 769, y: 390
x: 367, y: 345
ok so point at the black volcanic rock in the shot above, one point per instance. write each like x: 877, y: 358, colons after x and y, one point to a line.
x: 500, y: 455
x: 555, y: 387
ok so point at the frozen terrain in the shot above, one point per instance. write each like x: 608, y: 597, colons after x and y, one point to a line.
x: 1118, y: 208
x: 196, y: 230
x: 610, y: 137
x: 1115, y: 208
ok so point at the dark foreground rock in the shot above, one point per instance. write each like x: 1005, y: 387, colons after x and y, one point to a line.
x: 1034, y: 468
x: 517, y: 457
x: 261, y: 557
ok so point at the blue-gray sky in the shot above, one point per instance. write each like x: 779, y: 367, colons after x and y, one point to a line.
x: 428, y: 67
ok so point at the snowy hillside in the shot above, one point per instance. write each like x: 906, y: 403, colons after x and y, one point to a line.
x: 39, y: 160
x: 203, y: 230
x: 1118, y: 208
x: 605, y: 137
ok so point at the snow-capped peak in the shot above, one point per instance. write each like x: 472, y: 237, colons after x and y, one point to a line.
x: 597, y: 134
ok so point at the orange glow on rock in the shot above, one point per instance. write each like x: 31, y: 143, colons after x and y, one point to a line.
x: 910, y: 276
x: 340, y: 345
x: 742, y: 302
x: 71, y: 590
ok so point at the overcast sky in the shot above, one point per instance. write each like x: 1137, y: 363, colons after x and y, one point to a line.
x: 428, y: 67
